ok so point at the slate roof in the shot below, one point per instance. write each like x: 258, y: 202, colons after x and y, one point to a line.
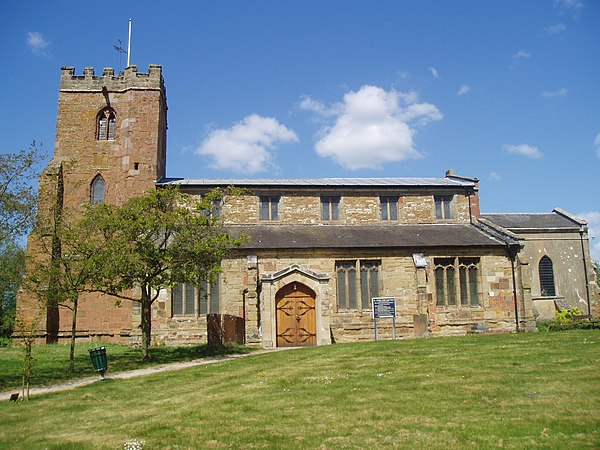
x: 318, y: 182
x: 542, y: 221
x: 364, y: 236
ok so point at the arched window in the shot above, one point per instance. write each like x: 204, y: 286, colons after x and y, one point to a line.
x: 546, y: 277
x: 106, y: 125
x: 97, y: 190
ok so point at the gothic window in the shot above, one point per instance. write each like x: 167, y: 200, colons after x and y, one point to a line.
x: 106, y: 125
x: 546, y: 277
x: 97, y: 190
x: 452, y: 285
x: 269, y: 208
x: 357, y: 283
x: 190, y: 300
x: 330, y: 208
x: 389, y: 208
x: 443, y: 206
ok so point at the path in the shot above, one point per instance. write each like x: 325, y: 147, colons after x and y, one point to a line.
x: 133, y: 373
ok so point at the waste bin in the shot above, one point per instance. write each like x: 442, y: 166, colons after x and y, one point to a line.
x: 99, y: 359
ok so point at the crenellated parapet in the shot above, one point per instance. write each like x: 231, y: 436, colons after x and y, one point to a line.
x: 123, y: 81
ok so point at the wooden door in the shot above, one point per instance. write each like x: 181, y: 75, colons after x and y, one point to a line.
x: 296, y: 316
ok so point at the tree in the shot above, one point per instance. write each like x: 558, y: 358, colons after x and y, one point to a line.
x: 153, y: 242
x: 17, y: 195
x: 12, y: 270
x: 69, y: 262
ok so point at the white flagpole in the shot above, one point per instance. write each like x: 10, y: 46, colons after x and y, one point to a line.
x: 129, y: 45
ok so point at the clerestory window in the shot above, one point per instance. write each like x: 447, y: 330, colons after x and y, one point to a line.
x: 330, y: 208
x: 106, y: 123
x: 443, y: 206
x: 389, y: 208
x: 269, y: 208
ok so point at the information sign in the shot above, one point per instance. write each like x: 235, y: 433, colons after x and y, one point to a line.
x: 384, y: 307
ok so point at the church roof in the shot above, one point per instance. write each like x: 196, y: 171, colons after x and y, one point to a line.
x: 364, y: 236
x: 318, y: 182
x: 519, y: 222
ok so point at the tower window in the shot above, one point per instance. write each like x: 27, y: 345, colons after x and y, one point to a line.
x: 97, y: 190
x: 106, y: 125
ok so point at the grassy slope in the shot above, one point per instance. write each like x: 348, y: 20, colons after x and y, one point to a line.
x: 510, y: 391
x: 51, y: 362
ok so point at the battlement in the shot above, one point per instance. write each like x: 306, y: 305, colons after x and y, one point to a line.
x: 123, y: 81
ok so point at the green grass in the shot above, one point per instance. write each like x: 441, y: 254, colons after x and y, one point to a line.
x: 51, y: 362
x: 494, y: 391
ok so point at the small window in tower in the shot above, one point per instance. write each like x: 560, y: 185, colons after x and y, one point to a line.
x: 136, y: 166
x: 106, y: 125
x: 97, y: 190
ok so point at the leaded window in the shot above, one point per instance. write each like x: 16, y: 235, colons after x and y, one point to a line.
x: 357, y: 283
x: 389, y: 208
x: 457, y: 280
x: 190, y: 300
x: 443, y: 206
x: 546, y: 271
x: 269, y: 208
x: 97, y: 190
x: 106, y: 125
x: 330, y: 208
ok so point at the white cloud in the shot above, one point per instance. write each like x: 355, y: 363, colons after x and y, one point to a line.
x: 522, y: 54
x: 559, y: 93
x: 37, y: 43
x: 597, y: 144
x: 434, y: 72
x: 593, y: 220
x: 495, y: 176
x: 463, y: 89
x: 555, y: 29
x: 524, y: 150
x: 371, y: 127
x: 570, y: 7
x: 246, y: 147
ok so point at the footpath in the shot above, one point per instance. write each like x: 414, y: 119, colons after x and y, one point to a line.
x: 40, y: 390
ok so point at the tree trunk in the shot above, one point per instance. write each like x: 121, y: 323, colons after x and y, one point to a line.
x: 73, y: 335
x: 146, y: 322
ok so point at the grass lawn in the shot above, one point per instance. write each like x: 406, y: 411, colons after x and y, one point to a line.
x: 51, y: 362
x: 493, y: 391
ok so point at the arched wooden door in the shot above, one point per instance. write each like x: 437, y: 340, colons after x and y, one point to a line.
x: 296, y: 316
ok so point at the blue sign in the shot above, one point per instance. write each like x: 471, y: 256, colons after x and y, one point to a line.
x: 384, y: 307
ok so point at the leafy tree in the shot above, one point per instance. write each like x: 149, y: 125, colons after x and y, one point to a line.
x: 68, y: 264
x: 17, y: 195
x: 153, y: 242
x: 12, y: 270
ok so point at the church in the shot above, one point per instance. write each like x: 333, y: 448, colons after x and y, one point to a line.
x: 320, y: 250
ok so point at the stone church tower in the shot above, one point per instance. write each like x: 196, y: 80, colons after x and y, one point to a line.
x: 110, y: 146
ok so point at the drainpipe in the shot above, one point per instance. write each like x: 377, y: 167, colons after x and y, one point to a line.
x: 511, y: 255
x: 470, y: 212
x: 585, y: 271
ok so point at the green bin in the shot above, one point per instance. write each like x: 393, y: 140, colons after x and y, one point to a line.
x: 99, y: 359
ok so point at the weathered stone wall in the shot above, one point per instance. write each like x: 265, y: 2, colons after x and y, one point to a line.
x: 399, y: 278
x: 565, y: 251
x: 304, y: 208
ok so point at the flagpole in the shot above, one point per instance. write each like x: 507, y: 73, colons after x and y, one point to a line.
x: 129, y: 45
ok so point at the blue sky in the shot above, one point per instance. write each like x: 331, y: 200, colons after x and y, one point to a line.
x: 506, y: 91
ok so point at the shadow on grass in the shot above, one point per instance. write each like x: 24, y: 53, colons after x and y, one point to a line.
x: 51, y: 362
